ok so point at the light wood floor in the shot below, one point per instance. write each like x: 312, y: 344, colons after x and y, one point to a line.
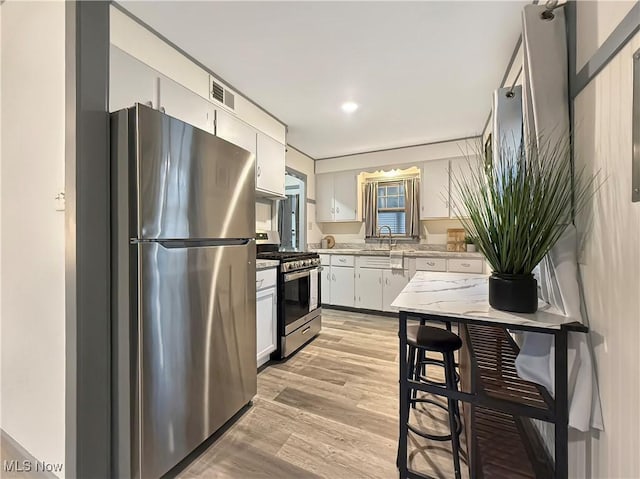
x: 330, y: 411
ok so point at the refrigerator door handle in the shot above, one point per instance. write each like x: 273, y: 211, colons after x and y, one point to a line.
x: 195, y: 243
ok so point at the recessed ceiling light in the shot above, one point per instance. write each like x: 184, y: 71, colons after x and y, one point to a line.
x: 349, y: 107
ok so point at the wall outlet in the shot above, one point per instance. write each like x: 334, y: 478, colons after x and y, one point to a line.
x: 59, y: 201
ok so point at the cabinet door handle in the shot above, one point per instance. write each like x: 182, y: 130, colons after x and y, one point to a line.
x: 259, y: 171
x: 328, y: 276
x: 333, y: 210
x: 337, y: 210
x: 162, y: 109
x: 149, y: 104
x: 333, y: 276
x: 386, y: 281
x: 379, y: 280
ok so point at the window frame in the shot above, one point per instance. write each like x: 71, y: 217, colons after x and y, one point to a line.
x: 401, y: 194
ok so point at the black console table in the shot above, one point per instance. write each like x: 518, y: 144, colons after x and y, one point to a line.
x: 501, y: 441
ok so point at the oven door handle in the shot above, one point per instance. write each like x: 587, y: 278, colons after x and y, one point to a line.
x: 301, y: 274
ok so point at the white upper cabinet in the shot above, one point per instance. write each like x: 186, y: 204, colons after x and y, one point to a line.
x: 434, y: 189
x: 270, y: 153
x: 185, y: 105
x: 324, y: 197
x: 337, y: 197
x: 130, y: 81
x: 461, y: 170
x: 235, y: 131
x: 270, y: 167
x: 345, y: 193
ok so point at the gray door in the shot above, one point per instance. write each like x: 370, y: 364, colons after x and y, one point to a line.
x: 191, y: 184
x: 197, y: 346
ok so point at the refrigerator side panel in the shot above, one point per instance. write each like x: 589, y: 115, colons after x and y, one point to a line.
x: 197, y: 345
x: 191, y: 184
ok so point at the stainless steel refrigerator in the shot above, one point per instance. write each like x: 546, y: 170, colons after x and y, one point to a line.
x: 184, y: 330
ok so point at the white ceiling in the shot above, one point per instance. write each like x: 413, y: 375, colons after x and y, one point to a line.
x: 420, y: 71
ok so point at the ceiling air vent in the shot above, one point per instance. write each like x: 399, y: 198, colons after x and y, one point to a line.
x: 217, y: 92
x: 220, y: 94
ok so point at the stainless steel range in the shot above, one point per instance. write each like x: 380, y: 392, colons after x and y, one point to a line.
x: 299, y: 311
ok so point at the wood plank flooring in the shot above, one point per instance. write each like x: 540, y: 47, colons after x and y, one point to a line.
x: 330, y: 411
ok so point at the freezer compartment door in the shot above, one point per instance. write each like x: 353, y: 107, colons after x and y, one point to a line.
x: 191, y: 184
x: 196, y: 346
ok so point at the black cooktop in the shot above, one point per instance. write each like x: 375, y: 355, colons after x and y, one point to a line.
x: 286, y: 255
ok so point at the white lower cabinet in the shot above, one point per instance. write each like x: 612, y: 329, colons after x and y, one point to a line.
x: 342, y: 286
x: 393, y: 282
x: 325, y: 285
x: 266, y: 320
x: 369, y: 289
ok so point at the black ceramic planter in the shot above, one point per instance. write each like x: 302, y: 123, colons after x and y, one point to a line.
x: 517, y: 293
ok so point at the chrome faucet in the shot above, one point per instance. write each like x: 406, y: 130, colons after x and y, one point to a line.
x: 390, y: 236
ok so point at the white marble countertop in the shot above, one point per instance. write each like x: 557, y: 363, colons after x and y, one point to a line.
x: 407, y: 253
x: 266, y: 264
x: 464, y: 295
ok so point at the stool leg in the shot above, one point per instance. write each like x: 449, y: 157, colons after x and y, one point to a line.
x: 411, y: 360
x: 453, y: 412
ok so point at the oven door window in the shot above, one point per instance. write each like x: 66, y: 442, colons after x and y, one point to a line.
x: 296, y: 299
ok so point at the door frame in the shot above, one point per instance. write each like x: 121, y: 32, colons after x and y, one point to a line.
x: 303, y: 224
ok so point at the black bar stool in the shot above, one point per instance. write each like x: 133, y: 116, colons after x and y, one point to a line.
x: 422, y: 339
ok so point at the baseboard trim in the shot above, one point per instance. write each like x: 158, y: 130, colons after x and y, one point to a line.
x: 359, y: 310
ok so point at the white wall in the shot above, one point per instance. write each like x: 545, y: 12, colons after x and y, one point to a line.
x: 595, y: 20
x: 610, y: 260
x: 32, y: 246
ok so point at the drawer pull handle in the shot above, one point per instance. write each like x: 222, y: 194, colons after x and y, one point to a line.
x: 466, y: 265
x: 431, y: 263
x: 342, y: 260
x: 259, y: 283
x: 306, y: 330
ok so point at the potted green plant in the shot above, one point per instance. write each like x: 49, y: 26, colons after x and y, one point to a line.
x: 517, y: 208
x: 470, y: 246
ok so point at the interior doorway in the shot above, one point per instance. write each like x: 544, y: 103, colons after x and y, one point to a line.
x: 292, y: 212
